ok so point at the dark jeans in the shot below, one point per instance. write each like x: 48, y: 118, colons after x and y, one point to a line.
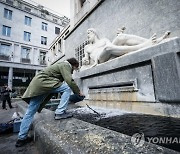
x: 76, y: 98
x: 6, y: 98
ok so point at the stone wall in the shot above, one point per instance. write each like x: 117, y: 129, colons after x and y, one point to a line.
x: 140, y: 17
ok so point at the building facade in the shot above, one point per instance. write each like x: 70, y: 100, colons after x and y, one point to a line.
x: 108, y: 16
x: 80, y: 10
x: 26, y: 32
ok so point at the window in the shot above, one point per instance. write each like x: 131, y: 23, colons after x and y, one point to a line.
x: 59, y: 46
x: 27, y: 21
x: 8, y: 14
x: 79, y: 52
x: 42, y: 57
x: 5, y: 49
x: 43, y: 40
x: 57, y: 30
x: 25, y: 52
x: 27, y: 36
x: 44, y: 26
x: 6, y: 31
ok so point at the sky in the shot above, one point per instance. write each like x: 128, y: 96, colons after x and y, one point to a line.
x: 59, y: 6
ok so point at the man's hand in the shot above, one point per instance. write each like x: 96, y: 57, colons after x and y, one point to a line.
x: 81, y: 94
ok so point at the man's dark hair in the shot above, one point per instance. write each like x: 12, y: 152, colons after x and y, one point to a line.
x: 73, y: 62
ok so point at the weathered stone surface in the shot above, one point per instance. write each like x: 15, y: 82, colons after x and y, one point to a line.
x: 143, y: 74
x: 78, y: 137
x: 136, y: 67
x: 166, y: 70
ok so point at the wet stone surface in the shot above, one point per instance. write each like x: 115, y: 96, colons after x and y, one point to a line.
x: 78, y: 137
x: 152, y: 127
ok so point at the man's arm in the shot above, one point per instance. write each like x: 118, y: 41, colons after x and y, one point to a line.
x: 66, y: 73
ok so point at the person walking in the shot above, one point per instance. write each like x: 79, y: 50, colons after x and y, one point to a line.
x: 5, y: 96
x: 56, y: 78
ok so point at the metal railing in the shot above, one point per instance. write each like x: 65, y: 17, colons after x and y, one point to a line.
x: 25, y: 60
x: 5, y: 57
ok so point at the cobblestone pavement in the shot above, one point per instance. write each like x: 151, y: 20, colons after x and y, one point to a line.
x: 7, y: 141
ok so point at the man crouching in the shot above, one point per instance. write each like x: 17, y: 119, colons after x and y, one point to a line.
x: 56, y: 78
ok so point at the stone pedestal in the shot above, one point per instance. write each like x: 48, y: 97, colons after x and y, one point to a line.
x: 147, y: 75
x: 140, y: 81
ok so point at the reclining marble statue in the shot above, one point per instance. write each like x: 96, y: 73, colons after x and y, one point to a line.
x: 101, y: 50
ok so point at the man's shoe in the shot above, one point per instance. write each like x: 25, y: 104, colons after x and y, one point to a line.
x: 64, y: 115
x: 20, y: 143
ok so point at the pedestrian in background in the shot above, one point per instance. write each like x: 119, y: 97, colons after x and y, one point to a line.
x: 5, y: 96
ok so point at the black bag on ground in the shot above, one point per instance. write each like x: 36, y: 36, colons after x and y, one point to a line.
x: 6, y: 128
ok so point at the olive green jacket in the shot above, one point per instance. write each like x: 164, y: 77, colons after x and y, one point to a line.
x: 48, y: 79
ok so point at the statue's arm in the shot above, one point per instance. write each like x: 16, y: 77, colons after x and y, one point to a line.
x: 86, y: 59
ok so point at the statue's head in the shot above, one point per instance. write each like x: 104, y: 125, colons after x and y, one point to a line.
x: 92, y: 34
